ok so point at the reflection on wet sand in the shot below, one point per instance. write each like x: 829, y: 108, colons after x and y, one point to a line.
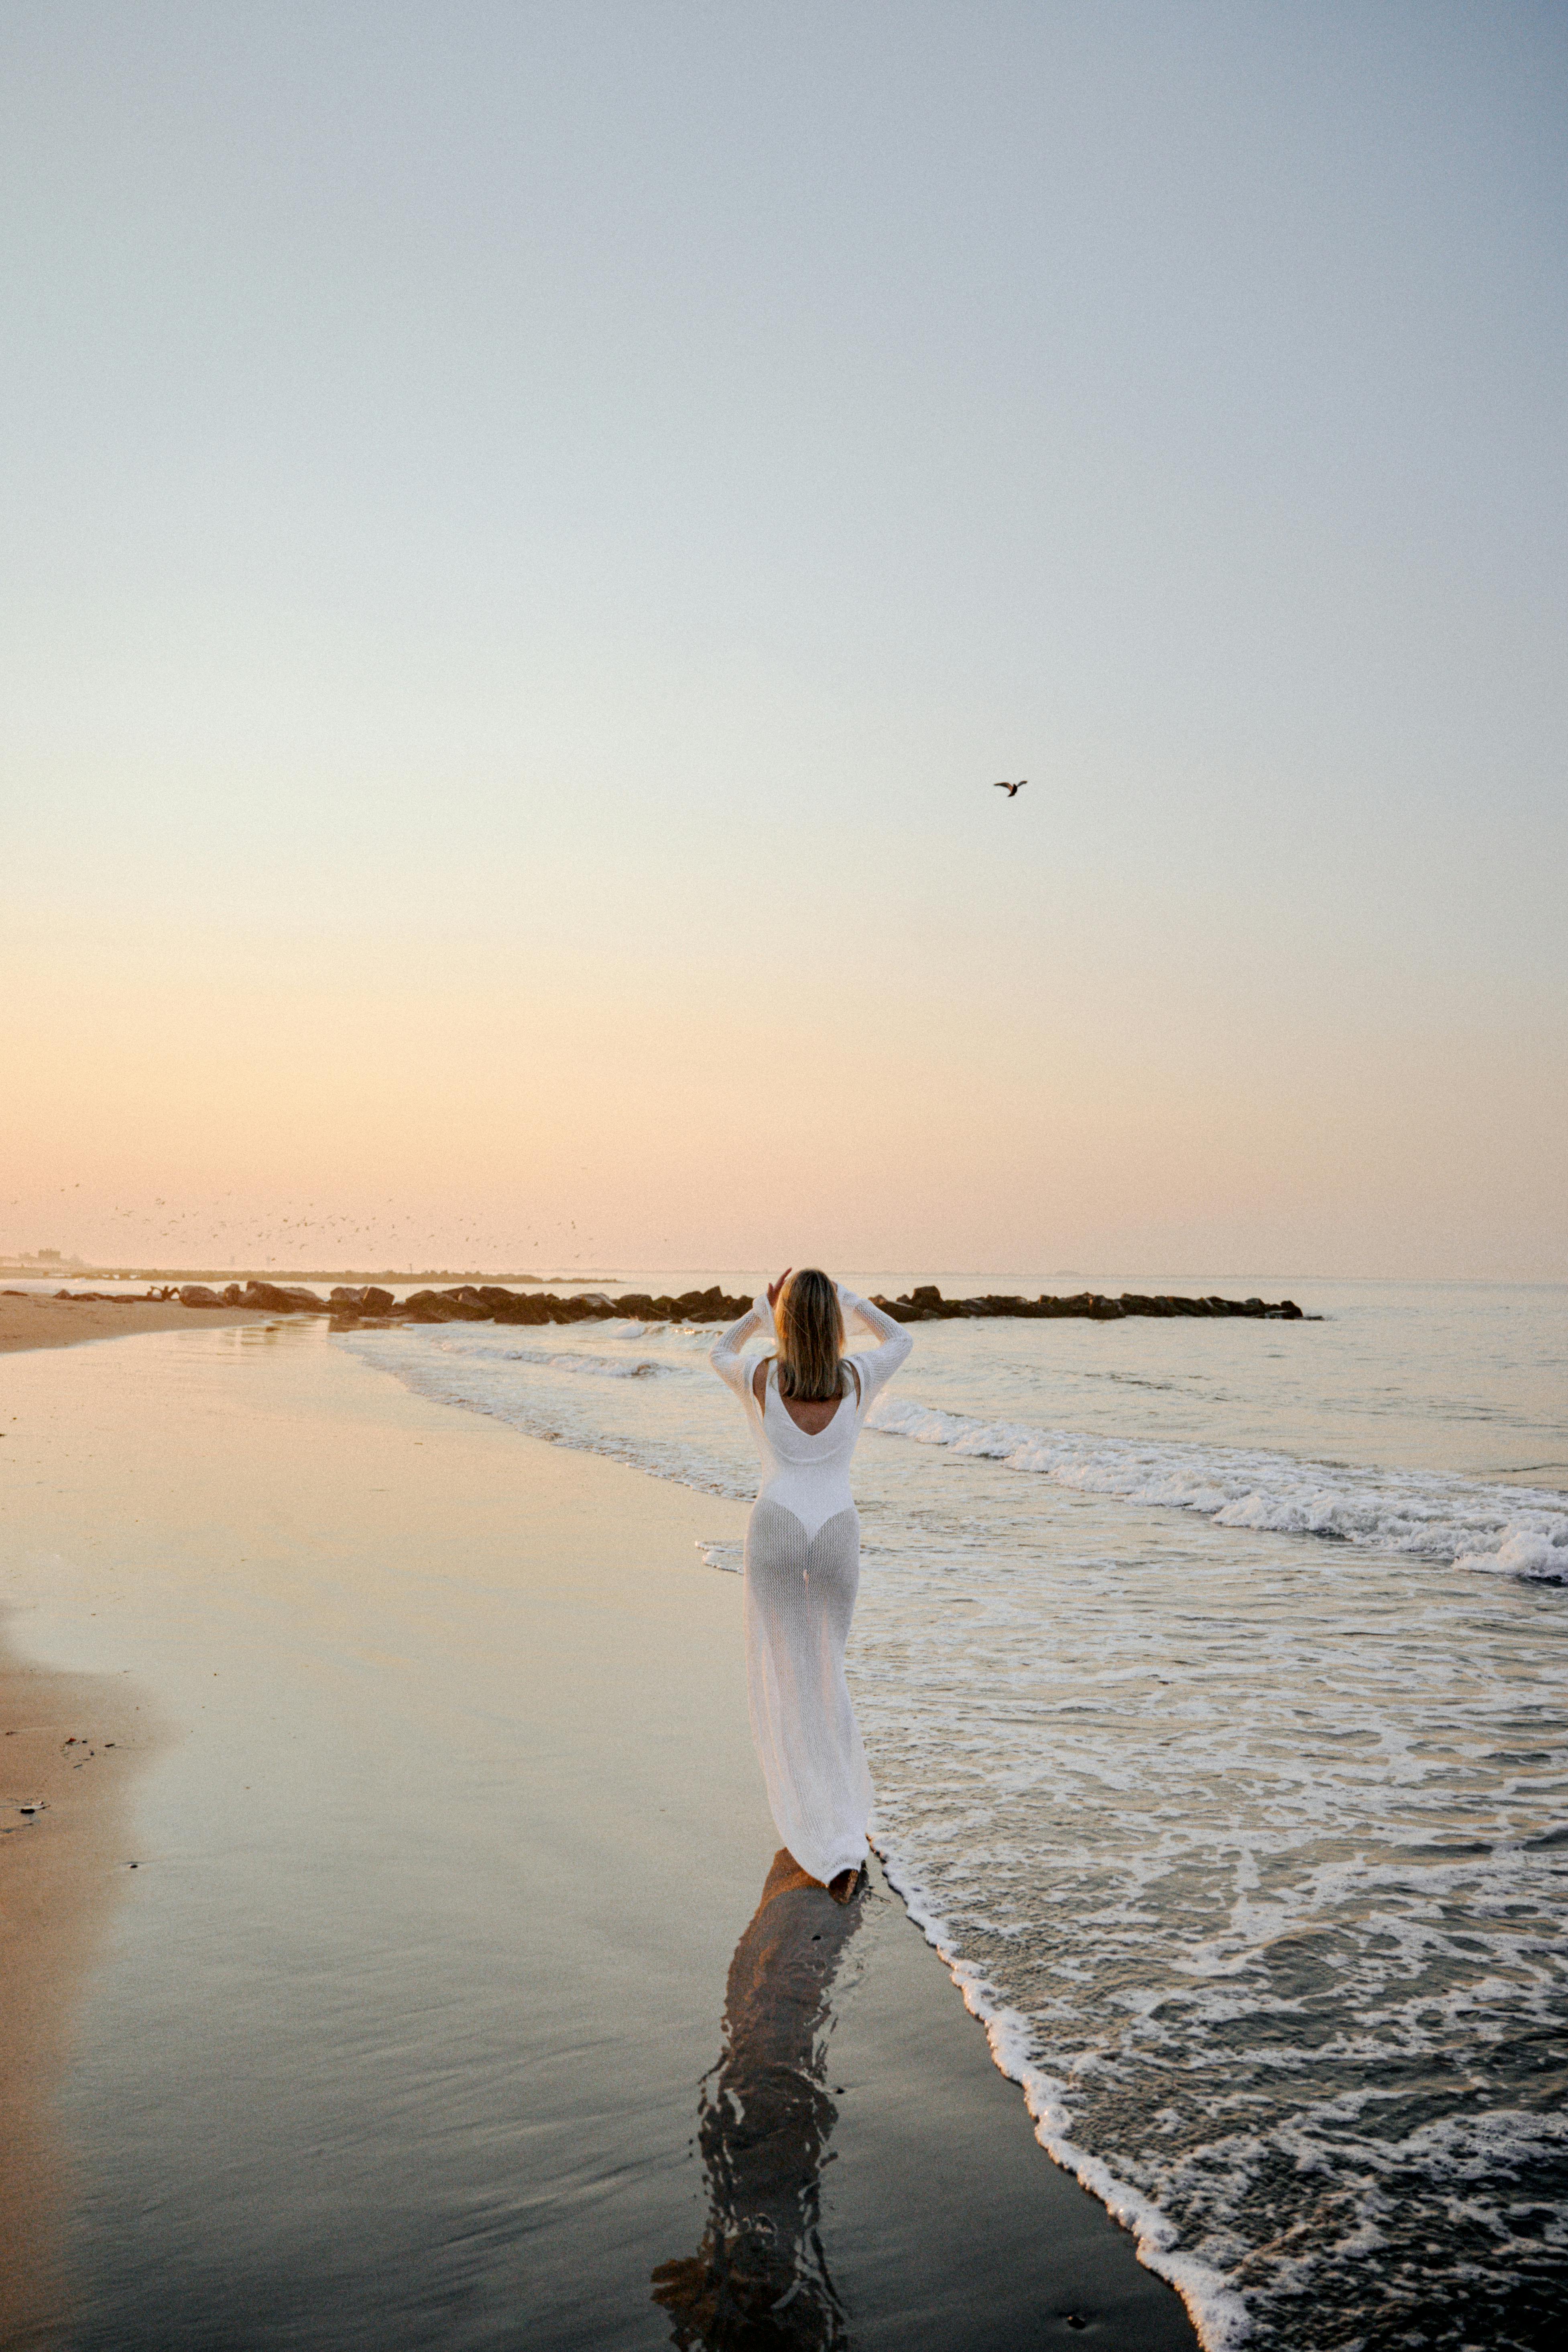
x: 761, y: 2279
x: 68, y: 1745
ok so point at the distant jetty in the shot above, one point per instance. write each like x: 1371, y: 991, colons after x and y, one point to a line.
x: 489, y: 1302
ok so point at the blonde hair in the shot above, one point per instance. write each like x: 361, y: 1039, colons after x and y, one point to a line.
x: 810, y: 1324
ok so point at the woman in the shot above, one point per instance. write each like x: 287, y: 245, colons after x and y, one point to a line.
x: 805, y: 1407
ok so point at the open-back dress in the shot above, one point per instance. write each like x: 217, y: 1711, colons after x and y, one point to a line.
x: 802, y: 1570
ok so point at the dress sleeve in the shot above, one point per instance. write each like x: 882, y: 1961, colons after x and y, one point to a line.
x: 877, y: 1365
x: 726, y: 1355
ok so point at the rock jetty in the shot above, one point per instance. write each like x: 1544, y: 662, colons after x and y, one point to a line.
x: 927, y: 1305
x: 493, y: 1303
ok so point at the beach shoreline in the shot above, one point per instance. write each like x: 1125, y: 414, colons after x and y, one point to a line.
x: 35, y: 1319
x: 458, y: 1718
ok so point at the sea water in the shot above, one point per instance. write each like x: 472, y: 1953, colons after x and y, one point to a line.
x: 1212, y: 1674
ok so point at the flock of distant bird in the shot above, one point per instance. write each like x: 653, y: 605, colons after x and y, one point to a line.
x: 234, y: 1238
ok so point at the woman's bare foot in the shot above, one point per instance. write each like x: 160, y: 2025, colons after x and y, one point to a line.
x: 844, y: 1888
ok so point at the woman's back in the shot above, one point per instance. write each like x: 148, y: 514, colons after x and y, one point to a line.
x: 807, y: 1471
x: 809, y: 1415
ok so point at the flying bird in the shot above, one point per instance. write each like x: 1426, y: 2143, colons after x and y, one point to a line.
x: 1012, y: 790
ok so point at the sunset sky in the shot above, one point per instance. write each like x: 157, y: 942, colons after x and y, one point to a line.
x: 530, y: 533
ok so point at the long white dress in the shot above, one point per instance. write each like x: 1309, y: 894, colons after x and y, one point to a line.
x: 802, y: 1570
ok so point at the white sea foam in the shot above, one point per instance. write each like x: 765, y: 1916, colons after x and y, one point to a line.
x: 1218, y: 2313
x: 1510, y: 1529
x: 575, y: 1361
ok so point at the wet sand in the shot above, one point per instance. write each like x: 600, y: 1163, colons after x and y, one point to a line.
x: 69, y: 1747
x: 430, y: 2015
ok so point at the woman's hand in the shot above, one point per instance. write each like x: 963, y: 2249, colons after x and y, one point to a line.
x: 774, y: 1287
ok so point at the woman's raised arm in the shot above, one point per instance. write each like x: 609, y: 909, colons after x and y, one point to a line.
x: 878, y: 1365
x: 726, y: 1354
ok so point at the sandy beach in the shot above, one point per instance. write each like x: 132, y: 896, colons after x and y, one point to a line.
x: 460, y: 1939
x: 663, y: 656
x: 69, y: 1748
x: 34, y: 1319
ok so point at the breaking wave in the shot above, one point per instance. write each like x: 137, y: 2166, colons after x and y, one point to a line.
x: 1509, y: 1530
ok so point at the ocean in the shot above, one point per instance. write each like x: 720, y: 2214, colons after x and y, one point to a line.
x: 1212, y: 1674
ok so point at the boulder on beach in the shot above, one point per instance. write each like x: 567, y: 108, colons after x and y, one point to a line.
x: 360, y: 1299
x: 280, y: 1299
x: 443, y: 1306
x: 518, y: 1309
x: 197, y: 1294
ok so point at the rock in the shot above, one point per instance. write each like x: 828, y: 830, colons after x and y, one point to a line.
x: 268, y: 1296
x: 926, y: 1304
x: 481, y: 1302
x: 197, y: 1294
x: 278, y: 1298
x: 483, y: 1298
x: 522, y: 1311
x: 701, y: 1306
x: 494, y: 1295
x: 577, y: 1309
x: 442, y: 1306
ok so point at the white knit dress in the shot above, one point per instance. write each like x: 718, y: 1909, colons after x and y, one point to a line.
x: 802, y: 1570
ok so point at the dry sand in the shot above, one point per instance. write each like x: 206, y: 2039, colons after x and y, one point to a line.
x: 33, y: 1319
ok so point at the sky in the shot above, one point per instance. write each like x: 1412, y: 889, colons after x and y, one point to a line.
x: 531, y: 531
